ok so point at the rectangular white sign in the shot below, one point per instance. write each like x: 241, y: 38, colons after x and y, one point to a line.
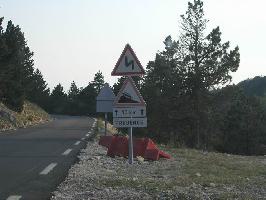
x: 120, y: 112
x: 130, y: 122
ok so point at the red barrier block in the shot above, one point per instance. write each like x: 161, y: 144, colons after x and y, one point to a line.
x: 139, y: 147
x: 164, y: 155
x: 118, y: 146
x: 152, y: 154
x: 106, y: 141
x: 150, y: 144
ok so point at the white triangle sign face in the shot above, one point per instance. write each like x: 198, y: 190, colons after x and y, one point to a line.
x: 128, y: 64
x: 129, y: 95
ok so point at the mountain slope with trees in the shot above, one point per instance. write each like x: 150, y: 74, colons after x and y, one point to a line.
x: 255, y: 86
x: 185, y: 106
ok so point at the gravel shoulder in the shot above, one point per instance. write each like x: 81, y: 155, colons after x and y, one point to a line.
x: 189, y: 174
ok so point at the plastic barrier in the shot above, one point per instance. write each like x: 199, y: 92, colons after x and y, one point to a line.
x: 118, y: 147
x: 106, y: 141
x: 145, y: 147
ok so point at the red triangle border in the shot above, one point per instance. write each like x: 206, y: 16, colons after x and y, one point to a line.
x: 114, y: 73
x: 116, y: 104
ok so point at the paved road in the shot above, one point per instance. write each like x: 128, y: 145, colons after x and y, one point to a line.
x: 33, y: 161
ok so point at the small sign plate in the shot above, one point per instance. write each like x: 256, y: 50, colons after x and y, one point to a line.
x: 120, y: 112
x: 130, y: 122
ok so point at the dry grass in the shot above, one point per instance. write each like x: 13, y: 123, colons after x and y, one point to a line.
x: 30, y: 115
x: 195, y: 174
x: 192, y: 174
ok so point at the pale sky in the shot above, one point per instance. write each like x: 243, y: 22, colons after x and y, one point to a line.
x: 73, y: 39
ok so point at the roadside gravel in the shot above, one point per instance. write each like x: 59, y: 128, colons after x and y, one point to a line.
x: 92, y: 177
x: 189, y: 174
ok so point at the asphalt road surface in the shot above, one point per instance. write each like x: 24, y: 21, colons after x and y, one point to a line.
x: 33, y: 161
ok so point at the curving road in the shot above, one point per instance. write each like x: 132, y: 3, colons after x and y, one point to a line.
x: 33, y: 161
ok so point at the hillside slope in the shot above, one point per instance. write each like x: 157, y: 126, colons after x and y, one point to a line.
x: 255, y: 86
x: 30, y: 115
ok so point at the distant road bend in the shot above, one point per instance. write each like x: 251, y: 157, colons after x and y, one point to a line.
x: 33, y: 161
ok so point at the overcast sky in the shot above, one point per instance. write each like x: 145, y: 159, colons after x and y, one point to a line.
x: 73, y: 39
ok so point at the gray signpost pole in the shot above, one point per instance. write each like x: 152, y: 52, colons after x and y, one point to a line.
x: 130, y: 146
x: 105, y: 123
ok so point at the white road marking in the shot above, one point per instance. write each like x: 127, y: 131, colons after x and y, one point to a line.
x: 77, y: 143
x: 87, y: 135
x: 66, y: 152
x: 14, y: 197
x: 83, y: 138
x: 48, y: 169
x: 89, y: 132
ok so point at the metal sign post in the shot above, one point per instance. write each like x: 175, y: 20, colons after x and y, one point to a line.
x: 105, y: 124
x: 129, y: 109
x: 130, y: 146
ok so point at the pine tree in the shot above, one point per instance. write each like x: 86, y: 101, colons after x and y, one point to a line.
x: 38, y: 91
x: 205, y: 60
x: 98, y: 81
x: 58, y: 100
x: 16, y: 66
x: 181, y: 77
x: 73, y: 91
x: 13, y: 69
x: 87, y: 100
x: 3, y: 52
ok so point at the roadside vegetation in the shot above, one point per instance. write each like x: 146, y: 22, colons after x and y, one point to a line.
x: 31, y: 114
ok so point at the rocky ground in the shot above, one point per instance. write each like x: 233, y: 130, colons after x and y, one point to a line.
x: 190, y: 174
x: 30, y: 115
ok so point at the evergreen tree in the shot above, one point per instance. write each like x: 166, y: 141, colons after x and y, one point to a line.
x: 3, y: 52
x: 73, y: 91
x: 163, y: 88
x: 117, y: 86
x: 181, y: 77
x: 98, y: 81
x: 38, y: 91
x: 255, y: 86
x: 13, y: 68
x: 87, y: 100
x: 58, y: 100
x: 205, y: 60
x: 16, y: 66
x: 244, y: 126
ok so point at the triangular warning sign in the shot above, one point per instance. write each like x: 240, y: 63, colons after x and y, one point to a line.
x: 128, y: 64
x: 129, y: 95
